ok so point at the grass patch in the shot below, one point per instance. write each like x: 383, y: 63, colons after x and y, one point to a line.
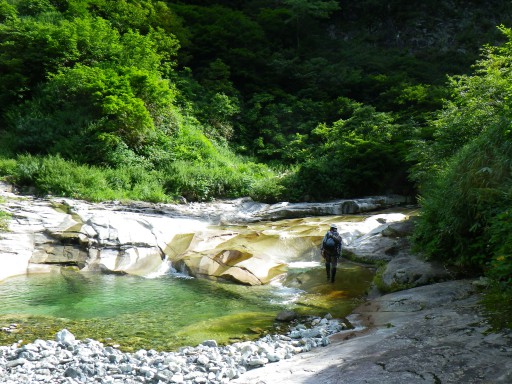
x: 4, y: 218
x: 4, y: 221
x: 497, y: 303
x: 196, y: 181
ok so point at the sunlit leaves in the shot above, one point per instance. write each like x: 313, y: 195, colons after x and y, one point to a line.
x: 466, y: 172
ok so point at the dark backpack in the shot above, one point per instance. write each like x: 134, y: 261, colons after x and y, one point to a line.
x: 330, y: 243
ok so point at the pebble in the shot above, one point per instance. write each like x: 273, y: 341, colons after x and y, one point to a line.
x: 67, y: 360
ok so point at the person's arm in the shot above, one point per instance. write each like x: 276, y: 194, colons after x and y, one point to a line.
x: 340, y: 244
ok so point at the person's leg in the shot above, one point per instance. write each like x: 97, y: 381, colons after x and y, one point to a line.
x: 334, y: 265
x: 328, y: 266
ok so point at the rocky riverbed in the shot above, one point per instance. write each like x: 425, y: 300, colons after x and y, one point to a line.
x: 434, y: 332
x: 67, y: 360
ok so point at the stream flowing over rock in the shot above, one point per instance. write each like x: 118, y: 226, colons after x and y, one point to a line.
x: 435, y: 332
x: 225, y: 240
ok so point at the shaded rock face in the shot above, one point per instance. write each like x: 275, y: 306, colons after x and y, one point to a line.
x: 411, y: 271
x: 148, y: 239
x: 389, y: 242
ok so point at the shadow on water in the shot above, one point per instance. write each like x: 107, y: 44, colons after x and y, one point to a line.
x: 319, y: 295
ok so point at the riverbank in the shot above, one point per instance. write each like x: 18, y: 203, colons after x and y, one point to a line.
x: 435, y: 333
x: 71, y: 361
x: 431, y: 334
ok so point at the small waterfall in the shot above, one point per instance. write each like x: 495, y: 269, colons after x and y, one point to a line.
x: 165, y: 268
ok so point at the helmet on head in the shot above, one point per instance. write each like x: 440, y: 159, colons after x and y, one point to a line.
x: 334, y: 226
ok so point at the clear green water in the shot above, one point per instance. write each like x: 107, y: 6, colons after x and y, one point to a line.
x: 170, y: 311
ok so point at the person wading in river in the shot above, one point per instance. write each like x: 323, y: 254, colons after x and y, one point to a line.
x: 331, y: 251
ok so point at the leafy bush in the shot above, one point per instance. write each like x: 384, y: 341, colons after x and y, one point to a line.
x: 465, y: 196
x: 196, y: 181
x: 500, y: 265
x: 269, y: 188
x: 460, y: 206
x: 7, y: 166
x: 353, y: 156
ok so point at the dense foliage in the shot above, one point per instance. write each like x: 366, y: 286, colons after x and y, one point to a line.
x: 278, y: 100
x: 467, y: 171
x: 93, y: 85
x: 325, y: 93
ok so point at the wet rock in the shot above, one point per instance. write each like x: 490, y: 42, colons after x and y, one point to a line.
x: 286, y: 316
x: 285, y: 210
x: 65, y: 338
x: 399, y: 229
x: 210, y: 343
x: 148, y: 239
x: 372, y: 246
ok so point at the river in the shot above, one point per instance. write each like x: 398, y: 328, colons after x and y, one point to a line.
x: 172, y: 309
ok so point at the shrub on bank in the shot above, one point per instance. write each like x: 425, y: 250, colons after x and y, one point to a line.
x: 466, y: 172
x: 194, y: 180
x: 466, y: 218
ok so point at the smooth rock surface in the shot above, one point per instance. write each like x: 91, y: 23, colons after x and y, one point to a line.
x: 431, y: 334
x: 152, y: 239
x: 411, y: 271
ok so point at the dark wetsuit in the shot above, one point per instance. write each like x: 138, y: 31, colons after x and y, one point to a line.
x: 331, y: 256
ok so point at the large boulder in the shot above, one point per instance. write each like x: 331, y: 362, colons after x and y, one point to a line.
x: 385, y: 239
x: 410, y: 271
x: 234, y: 265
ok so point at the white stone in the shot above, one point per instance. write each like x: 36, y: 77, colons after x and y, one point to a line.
x: 16, y: 363
x: 273, y: 357
x: 177, y: 378
x: 65, y: 337
x: 203, y: 360
x: 257, y: 361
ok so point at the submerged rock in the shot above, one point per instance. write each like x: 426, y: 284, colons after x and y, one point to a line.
x: 286, y: 316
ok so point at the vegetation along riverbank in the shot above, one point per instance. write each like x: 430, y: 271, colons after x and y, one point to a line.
x: 292, y: 100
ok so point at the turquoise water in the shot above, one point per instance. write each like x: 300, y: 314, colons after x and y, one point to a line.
x: 170, y: 311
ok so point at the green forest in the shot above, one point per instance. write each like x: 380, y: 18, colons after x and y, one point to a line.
x: 279, y: 100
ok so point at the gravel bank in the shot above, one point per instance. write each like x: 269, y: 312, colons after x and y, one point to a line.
x: 71, y: 361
